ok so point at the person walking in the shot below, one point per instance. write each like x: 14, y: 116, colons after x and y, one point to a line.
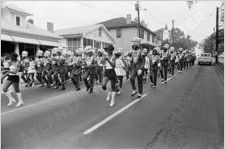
x: 13, y: 79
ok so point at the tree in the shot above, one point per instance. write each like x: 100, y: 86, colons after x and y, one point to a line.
x: 179, y: 39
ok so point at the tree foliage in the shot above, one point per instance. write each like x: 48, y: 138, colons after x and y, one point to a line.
x: 180, y: 40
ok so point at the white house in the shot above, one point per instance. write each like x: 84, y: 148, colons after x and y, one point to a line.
x: 18, y: 33
x: 124, y: 29
x: 96, y: 36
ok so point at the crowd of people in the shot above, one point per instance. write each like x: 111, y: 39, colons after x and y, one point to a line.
x: 90, y: 66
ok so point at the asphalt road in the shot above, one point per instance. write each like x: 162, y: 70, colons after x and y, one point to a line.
x: 187, y: 112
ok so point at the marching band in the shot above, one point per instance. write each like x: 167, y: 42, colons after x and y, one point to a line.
x: 53, y: 68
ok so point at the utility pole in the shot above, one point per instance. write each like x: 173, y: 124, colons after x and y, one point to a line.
x: 217, y: 30
x: 137, y: 8
x: 172, y: 32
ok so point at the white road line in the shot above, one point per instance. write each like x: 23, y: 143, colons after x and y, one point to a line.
x: 112, y: 116
x: 30, y: 106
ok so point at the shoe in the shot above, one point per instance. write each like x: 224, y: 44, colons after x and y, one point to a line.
x: 151, y: 84
x: 118, y: 93
x: 139, y: 95
x: 112, y: 99
x: 20, y: 103
x: 108, y: 96
x: 87, y: 89
x: 90, y: 91
x: 11, y: 101
x: 154, y: 86
x: 133, y: 93
x: 63, y: 87
x: 77, y: 89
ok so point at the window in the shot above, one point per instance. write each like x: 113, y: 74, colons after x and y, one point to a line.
x: 148, y: 36
x: 73, y: 44
x: 97, y: 44
x: 118, y: 33
x: 87, y: 42
x: 17, y: 20
x: 153, y: 39
x: 100, y: 32
x: 142, y: 35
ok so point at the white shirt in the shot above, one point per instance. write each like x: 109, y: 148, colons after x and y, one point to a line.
x: 119, y: 69
x: 147, y: 63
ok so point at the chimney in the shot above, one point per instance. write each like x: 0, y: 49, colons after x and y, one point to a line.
x: 50, y: 27
x: 30, y: 21
x: 128, y: 19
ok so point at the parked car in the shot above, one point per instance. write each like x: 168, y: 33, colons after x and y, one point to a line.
x: 205, y: 58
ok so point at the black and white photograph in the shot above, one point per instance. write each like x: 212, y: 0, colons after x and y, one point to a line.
x: 131, y: 74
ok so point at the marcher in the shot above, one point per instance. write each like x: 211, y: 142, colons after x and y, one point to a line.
x: 40, y: 64
x: 13, y: 79
x: 110, y: 75
x: 89, y: 69
x: 165, y: 63
x: 24, y: 66
x: 137, y: 66
x: 120, y: 68
x: 154, y: 65
x: 31, y: 71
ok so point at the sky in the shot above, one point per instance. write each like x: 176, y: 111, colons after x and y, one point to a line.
x: 198, y: 22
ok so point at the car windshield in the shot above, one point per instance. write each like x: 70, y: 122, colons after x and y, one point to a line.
x: 206, y: 55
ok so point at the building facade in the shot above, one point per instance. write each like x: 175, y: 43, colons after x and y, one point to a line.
x: 19, y: 34
x: 124, y: 29
x: 96, y: 36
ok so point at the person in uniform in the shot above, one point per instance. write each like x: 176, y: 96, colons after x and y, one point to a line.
x: 40, y: 64
x: 13, y: 79
x: 24, y: 67
x: 62, y: 70
x: 100, y: 66
x: 120, y: 68
x: 154, y: 64
x: 146, y: 70
x: 137, y: 66
x: 109, y: 74
x: 53, y: 68
x: 46, y: 68
x: 90, y: 66
x: 76, y: 64
x: 165, y: 61
x: 31, y: 71
x: 172, y: 60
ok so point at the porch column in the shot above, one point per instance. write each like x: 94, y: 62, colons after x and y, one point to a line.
x: 81, y: 42
x: 17, y: 50
x: 101, y: 45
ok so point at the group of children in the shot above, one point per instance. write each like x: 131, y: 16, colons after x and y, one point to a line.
x: 53, y: 68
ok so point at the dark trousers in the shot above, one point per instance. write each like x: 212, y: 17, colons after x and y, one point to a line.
x: 62, y: 77
x: 24, y: 76
x: 172, y: 69
x: 49, y: 76
x: 100, y: 74
x: 44, y: 77
x: 75, y: 78
x: 120, y: 79
x: 56, y: 78
x: 165, y: 69
x: 89, y: 84
x: 155, y: 72
x: 139, y: 80
x: 39, y: 77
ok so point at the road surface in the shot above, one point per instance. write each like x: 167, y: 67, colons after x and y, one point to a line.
x: 187, y: 112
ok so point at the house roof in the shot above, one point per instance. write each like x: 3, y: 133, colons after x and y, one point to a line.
x: 30, y: 29
x: 77, y: 30
x: 15, y: 8
x: 82, y: 30
x: 121, y: 22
